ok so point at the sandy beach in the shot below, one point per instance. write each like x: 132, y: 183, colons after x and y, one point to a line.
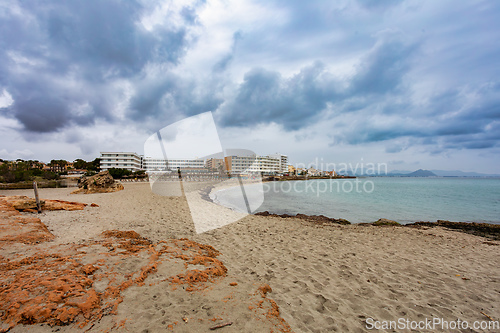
x: 324, y: 278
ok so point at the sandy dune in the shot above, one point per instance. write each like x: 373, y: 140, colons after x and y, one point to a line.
x: 324, y: 278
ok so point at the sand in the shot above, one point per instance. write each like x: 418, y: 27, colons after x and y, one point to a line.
x: 324, y: 278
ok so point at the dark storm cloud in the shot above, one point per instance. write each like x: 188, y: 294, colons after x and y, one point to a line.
x: 265, y: 96
x: 378, y: 98
x: 42, y: 114
x: 168, y: 98
x: 60, y: 57
x: 458, y: 120
x: 413, y: 74
x: 383, y: 68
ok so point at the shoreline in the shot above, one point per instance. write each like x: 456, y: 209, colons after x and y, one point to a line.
x: 487, y: 230
x: 480, y: 227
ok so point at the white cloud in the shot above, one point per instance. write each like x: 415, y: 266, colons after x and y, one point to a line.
x: 5, y: 99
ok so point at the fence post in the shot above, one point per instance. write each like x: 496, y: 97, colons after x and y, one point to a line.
x: 38, y: 206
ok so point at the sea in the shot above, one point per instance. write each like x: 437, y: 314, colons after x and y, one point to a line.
x: 402, y: 199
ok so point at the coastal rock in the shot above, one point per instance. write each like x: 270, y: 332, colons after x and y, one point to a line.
x: 385, y: 222
x: 62, y: 205
x: 18, y: 228
x: 318, y: 219
x: 23, y: 203
x: 103, y: 182
x: 487, y: 230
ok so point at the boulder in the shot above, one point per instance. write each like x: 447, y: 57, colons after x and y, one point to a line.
x: 103, y: 182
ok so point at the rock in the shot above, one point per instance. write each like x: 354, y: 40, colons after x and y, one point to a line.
x: 62, y: 205
x: 385, y: 222
x: 23, y: 203
x: 491, y: 231
x: 318, y: 219
x: 103, y: 182
x: 17, y: 228
x: 89, y: 269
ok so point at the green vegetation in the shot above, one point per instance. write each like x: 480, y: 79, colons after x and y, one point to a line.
x: 91, y: 167
x: 118, y: 173
x: 57, y: 165
x: 19, y: 171
x: 26, y: 171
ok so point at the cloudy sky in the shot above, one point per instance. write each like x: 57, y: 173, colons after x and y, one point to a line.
x: 414, y: 84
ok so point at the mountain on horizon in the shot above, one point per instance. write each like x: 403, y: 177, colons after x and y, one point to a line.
x: 458, y: 173
x: 445, y: 173
x: 421, y: 173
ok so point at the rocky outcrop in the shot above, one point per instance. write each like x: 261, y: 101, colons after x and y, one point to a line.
x: 62, y: 205
x: 18, y: 228
x: 103, y: 182
x: 487, y: 230
x: 318, y: 219
x: 381, y: 222
x: 23, y: 203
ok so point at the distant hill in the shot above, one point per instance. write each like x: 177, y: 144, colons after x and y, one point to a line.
x: 421, y: 173
x: 444, y: 173
x: 458, y: 173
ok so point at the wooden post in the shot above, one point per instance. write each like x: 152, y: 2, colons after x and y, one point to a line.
x: 38, y: 206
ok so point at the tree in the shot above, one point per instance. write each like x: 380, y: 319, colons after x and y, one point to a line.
x: 62, y: 165
x: 118, y: 173
x: 95, y: 165
x: 80, y: 164
x: 20, y: 170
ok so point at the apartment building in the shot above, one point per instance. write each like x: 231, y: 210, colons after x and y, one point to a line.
x: 283, y: 161
x: 214, y: 163
x: 239, y: 164
x: 253, y: 164
x: 155, y: 164
x: 122, y: 160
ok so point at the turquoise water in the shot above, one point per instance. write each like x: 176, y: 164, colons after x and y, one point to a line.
x: 367, y: 199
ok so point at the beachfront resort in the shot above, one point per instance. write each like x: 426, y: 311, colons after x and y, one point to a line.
x: 272, y: 164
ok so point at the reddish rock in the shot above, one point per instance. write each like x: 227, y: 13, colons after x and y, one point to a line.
x: 89, y: 269
x: 62, y: 205
x: 17, y: 228
x: 23, y: 203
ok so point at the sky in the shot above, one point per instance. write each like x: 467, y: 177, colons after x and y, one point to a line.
x: 407, y: 84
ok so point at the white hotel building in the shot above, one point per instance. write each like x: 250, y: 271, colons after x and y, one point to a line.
x: 123, y: 160
x: 272, y: 164
x: 155, y: 164
x: 283, y: 161
x: 253, y: 164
